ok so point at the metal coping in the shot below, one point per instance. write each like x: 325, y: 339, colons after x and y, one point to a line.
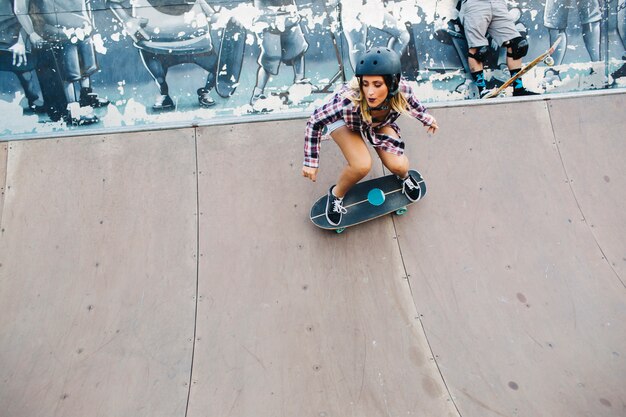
x: 268, y: 117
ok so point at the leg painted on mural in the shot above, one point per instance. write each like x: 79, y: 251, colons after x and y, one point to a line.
x: 399, y: 34
x: 88, y: 97
x: 355, y: 33
x: 77, y: 115
x: 32, y: 91
x: 157, y: 68
x: 208, y: 63
x: 262, y: 77
x: 591, y: 37
x: 621, y: 29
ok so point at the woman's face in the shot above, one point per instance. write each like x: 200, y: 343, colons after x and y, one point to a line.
x: 374, y: 89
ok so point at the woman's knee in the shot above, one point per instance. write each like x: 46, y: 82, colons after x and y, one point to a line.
x: 362, y: 165
x: 398, y: 164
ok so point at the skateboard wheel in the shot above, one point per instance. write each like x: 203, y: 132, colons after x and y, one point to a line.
x: 340, y: 230
x: 549, y: 61
x: 401, y: 211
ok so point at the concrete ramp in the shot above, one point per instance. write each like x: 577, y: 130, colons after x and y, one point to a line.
x: 176, y: 273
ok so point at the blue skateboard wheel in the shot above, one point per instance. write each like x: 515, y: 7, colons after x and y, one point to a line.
x: 376, y: 197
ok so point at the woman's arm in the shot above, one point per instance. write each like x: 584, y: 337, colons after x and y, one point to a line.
x: 417, y: 109
x: 322, y: 116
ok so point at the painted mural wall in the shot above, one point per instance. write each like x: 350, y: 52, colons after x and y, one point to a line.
x: 75, y: 65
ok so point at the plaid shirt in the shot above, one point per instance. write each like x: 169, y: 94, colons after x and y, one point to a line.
x: 339, y: 106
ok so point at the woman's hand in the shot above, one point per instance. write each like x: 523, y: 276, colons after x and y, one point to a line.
x: 310, y: 173
x: 433, y: 127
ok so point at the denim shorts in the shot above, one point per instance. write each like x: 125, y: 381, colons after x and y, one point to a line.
x: 334, y: 126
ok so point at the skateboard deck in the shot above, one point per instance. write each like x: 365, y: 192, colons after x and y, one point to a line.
x: 230, y: 58
x: 368, y: 200
x: 543, y: 57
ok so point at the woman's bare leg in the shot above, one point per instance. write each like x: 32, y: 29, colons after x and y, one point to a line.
x: 397, y: 164
x: 357, y: 156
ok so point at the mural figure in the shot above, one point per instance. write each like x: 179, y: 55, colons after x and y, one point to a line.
x: 16, y: 57
x: 281, y: 40
x: 480, y: 18
x: 555, y: 20
x: 168, y: 33
x: 621, y: 29
x: 48, y: 51
x: 65, y: 28
x: 357, y: 16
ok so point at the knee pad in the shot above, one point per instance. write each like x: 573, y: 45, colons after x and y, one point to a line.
x: 519, y: 47
x: 481, y: 54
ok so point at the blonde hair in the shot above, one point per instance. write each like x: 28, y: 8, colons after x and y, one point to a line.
x: 397, y: 103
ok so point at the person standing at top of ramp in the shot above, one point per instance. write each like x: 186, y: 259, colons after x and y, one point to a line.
x: 366, y: 108
x: 480, y: 17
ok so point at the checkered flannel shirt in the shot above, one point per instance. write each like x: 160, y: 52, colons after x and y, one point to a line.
x: 339, y: 106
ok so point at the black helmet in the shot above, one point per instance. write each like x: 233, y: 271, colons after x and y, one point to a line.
x: 381, y: 61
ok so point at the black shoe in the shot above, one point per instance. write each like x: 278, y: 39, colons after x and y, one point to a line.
x: 82, y: 120
x: 620, y: 72
x: 162, y: 103
x: 411, y: 188
x: 34, y: 108
x: 484, y: 92
x: 204, y: 98
x: 89, y: 98
x: 517, y: 92
x: 334, y: 208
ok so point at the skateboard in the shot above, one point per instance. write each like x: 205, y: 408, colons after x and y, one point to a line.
x: 545, y: 57
x: 368, y: 200
x: 230, y: 58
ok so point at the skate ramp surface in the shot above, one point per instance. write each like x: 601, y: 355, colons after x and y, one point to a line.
x: 176, y: 273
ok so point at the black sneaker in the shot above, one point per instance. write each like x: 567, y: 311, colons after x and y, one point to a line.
x: 163, y: 102
x: 484, y: 92
x: 410, y: 188
x: 204, y: 98
x: 89, y: 98
x: 620, y: 72
x: 334, y: 208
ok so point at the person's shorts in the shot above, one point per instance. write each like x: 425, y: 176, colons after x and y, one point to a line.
x: 281, y: 47
x: 556, y: 12
x: 482, y: 17
x: 334, y: 126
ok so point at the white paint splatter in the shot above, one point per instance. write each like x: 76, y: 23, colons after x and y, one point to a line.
x: 99, y: 44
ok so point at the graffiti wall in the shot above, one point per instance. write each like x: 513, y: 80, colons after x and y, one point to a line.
x: 75, y: 65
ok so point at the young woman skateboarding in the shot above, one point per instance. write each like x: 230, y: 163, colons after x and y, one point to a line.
x: 366, y: 108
